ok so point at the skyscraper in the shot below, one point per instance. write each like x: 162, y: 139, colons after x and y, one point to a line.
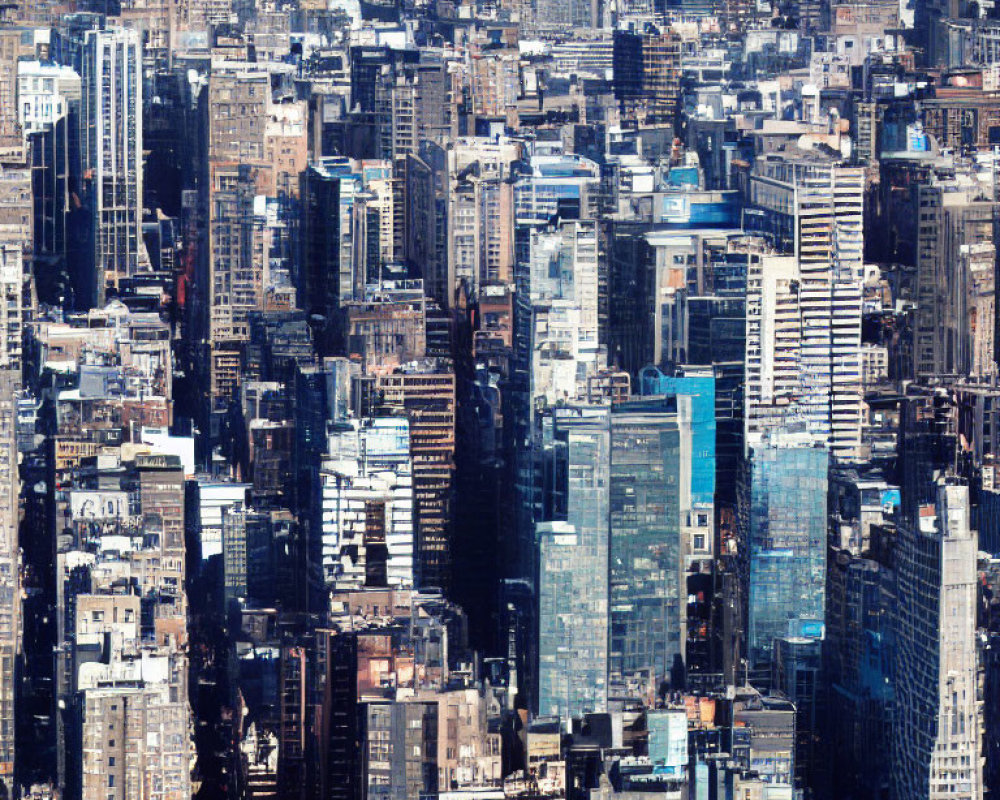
x: 135, y: 736
x: 956, y: 258
x: 364, y: 505
x: 424, y: 391
x: 234, y: 278
x: 936, y: 736
x: 648, y: 596
x: 111, y: 157
x: 804, y: 310
x: 680, y: 514
x: 13, y: 311
x: 557, y: 309
x: 785, y: 540
x: 402, y: 749
x: 480, y: 209
x: 46, y: 95
x: 323, y: 282
x: 647, y: 70
x: 10, y: 584
x: 572, y: 567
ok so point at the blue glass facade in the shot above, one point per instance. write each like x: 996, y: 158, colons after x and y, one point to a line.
x: 786, y: 542
x: 647, y: 588
x: 692, y: 209
x: 700, y: 392
x: 573, y: 570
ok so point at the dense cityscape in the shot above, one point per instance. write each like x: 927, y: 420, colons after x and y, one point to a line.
x: 499, y: 399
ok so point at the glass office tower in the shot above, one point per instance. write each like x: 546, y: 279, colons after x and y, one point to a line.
x: 648, y: 599
x: 786, y: 542
x: 573, y: 567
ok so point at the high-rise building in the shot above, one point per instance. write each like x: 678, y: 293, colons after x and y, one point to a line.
x: 558, y: 341
x: 424, y: 225
x: 235, y: 520
x: 15, y: 44
x: 234, y: 277
x: 161, y: 503
x: 237, y: 104
x: 112, y: 158
x: 572, y: 566
x: 647, y: 73
x: 955, y: 314
x: 17, y: 194
x: 135, y: 739
x: 796, y: 673
x: 10, y: 578
x: 938, y: 714
x: 365, y: 491
x: 292, y: 689
x: 690, y: 401
x: 804, y: 310
x: 775, y: 379
x: 373, y: 74
x: 13, y: 312
x: 401, y: 759
x: 648, y: 594
x: 123, y: 669
x: 424, y: 392
x: 693, y: 396
x: 858, y: 664
x: 49, y: 97
x: 785, y: 533
x: 347, y: 236
x: 323, y: 282
x: 235, y: 287
x: 480, y: 215
x: 254, y: 152
x: 422, y: 107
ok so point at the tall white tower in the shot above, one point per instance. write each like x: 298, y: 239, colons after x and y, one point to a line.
x: 111, y: 149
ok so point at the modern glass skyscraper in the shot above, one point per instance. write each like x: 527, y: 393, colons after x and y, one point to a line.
x: 572, y: 576
x: 648, y: 620
x: 695, y: 402
x: 624, y: 488
x: 786, y: 541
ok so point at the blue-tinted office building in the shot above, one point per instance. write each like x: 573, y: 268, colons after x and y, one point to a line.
x: 785, y: 541
x: 648, y: 595
x: 572, y: 565
x: 694, y: 397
